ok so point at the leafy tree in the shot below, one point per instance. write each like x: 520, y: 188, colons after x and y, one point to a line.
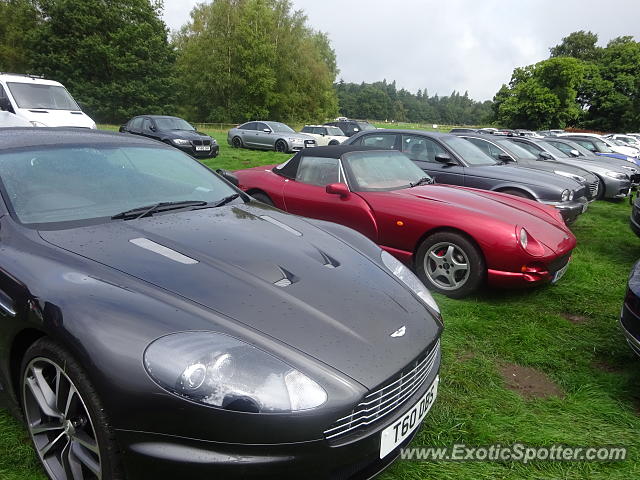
x: 247, y: 59
x: 113, y: 56
x: 581, y: 45
x: 17, y: 17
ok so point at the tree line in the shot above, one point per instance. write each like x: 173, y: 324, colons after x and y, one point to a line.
x: 580, y: 85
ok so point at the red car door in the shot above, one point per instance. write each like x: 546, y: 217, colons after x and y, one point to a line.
x: 307, y: 196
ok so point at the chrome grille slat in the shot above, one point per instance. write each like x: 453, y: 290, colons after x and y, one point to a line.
x: 385, y: 400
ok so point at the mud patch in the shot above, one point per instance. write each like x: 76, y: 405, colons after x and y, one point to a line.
x: 529, y: 382
x: 573, y: 318
x: 465, y: 356
x: 603, y: 366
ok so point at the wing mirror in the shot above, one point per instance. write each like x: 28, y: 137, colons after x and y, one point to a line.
x: 228, y: 176
x: 546, y: 156
x: 266, y: 130
x: 338, y: 189
x: 574, y: 152
x: 152, y: 128
x: 505, y: 158
x: 445, y: 158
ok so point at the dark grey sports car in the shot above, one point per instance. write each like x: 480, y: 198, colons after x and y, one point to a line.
x: 453, y: 160
x: 156, y: 322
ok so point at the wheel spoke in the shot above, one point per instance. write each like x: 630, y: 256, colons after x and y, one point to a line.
x: 87, y: 442
x: 70, y: 395
x: 72, y: 467
x: 83, y: 456
x: 448, y: 256
x: 435, y: 257
x: 44, y: 450
x: 45, y: 427
x: 43, y: 397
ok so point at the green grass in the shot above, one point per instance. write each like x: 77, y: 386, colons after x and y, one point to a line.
x: 601, y: 405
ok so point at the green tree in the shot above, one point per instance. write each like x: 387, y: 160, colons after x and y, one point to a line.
x: 581, y: 45
x: 113, y: 56
x: 17, y: 17
x: 247, y: 59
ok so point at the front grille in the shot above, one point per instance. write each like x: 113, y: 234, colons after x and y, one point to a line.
x: 388, y: 398
x: 593, y: 188
x: 201, y: 142
x: 309, y: 143
x: 559, y: 262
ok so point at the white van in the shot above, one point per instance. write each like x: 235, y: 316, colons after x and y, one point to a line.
x: 43, y: 103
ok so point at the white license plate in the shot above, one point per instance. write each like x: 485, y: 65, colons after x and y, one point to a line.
x: 202, y: 148
x: 584, y: 207
x: 395, y: 434
x: 560, y: 273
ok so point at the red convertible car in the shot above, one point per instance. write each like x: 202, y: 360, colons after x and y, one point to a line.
x: 455, y: 238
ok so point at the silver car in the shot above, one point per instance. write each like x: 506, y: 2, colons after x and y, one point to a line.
x: 269, y: 136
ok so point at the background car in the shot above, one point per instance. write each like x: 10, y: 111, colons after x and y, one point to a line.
x: 269, y: 136
x: 453, y: 237
x: 502, y: 149
x: 594, y: 142
x: 8, y: 119
x: 325, y: 134
x: 630, y: 314
x: 598, y: 147
x: 157, y: 322
x: 173, y: 131
x: 625, y: 140
x: 455, y: 161
x: 351, y: 127
x: 463, y: 130
x: 612, y: 181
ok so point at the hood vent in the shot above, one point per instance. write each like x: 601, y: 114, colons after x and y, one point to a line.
x: 283, y: 226
x: 329, y: 261
x: 287, y: 279
x: 162, y: 250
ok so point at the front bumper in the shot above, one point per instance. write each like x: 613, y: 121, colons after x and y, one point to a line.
x: 630, y: 323
x: 191, y: 150
x: 543, y: 271
x: 570, y: 211
x: 614, y: 188
x: 148, y: 455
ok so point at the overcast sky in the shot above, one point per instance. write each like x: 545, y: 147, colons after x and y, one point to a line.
x: 449, y: 45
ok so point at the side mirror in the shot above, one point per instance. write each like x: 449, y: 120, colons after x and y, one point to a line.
x: 338, y: 189
x: 505, y: 158
x: 123, y: 128
x: 445, y: 158
x: 574, y: 152
x: 227, y: 175
x: 546, y: 156
x: 266, y: 130
x: 152, y: 128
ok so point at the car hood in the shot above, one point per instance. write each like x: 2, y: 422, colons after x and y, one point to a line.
x: 56, y: 118
x: 523, y: 175
x: 535, y: 217
x: 553, y: 166
x: 599, y: 166
x: 184, y: 134
x: 274, y: 273
x: 302, y: 136
x: 600, y: 161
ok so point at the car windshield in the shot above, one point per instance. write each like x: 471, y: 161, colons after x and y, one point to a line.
x: 517, y: 150
x: 173, y: 123
x: 335, y: 131
x: 49, y: 97
x: 554, y: 151
x: 280, y: 127
x: 366, y: 126
x: 76, y: 184
x: 378, y: 171
x: 601, y: 146
x: 469, y: 153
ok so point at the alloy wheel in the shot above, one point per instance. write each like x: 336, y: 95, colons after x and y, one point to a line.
x: 237, y: 143
x: 281, y: 146
x: 59, y: 423
x: 447, y: 266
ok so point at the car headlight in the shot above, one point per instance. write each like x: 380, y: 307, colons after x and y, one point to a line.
x: 221, y: 371
x: 615, y: 175
x: 214, y: 141
x: 180, y: 141
x: 573, y: 176
x: 295, y: 140
x: 524, y: 238
x: 566, y: 195
x: 37, y: 124
x: 409, y: 279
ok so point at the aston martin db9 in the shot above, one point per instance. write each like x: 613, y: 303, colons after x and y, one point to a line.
x: 159, y: 323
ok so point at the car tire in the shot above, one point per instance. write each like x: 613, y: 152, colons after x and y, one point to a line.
x: 437, y: 257
x: 334, y: 142
x: 78, y: 435
x: 602, y: 190
x: 262, y: 197
x: 281, y: 146
x: 236, y: 142
x: 517, y: 193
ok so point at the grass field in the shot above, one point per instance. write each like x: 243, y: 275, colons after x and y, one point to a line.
x: 567, y: 332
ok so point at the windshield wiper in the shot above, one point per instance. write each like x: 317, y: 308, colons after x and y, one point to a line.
x: 140, y: 212
x: 422, y: 181
x: 226, y: 200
